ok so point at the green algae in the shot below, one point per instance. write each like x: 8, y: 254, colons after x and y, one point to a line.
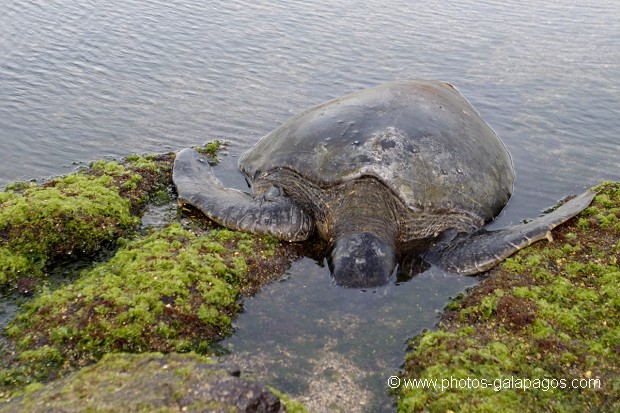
x: 211, y: 150
x: 73, y: 215
x: 172, y: 290
x: 291, y: 406
x: 542, y: 331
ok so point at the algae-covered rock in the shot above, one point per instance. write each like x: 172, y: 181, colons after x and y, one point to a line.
x: 172, y: 290
x: 149, y: 383
x: 541, y: 333
x: 73, y: 215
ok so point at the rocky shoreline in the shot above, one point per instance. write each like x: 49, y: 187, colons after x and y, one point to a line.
x: 540, y: 333
x: 128, y: 293
x: 173, y: 289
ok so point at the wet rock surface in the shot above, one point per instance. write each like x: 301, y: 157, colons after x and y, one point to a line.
x: 147, y: 383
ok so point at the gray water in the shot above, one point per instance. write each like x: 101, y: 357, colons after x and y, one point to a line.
x: 335, y: 348
x: 95, y: 79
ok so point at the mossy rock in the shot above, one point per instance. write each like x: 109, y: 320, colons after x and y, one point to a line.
x: 73, y: 215
x: 547, y: 319
x: 172, y: 290
x: 148, y: 383
x: 211, y: 150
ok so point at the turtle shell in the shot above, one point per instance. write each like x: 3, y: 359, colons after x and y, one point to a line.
x: 422, y: 139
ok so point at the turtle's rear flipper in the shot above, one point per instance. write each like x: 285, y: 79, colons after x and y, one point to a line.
x: 269, y: 214
x: 482, y: 251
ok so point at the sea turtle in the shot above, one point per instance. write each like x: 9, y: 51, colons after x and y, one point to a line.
x: 403, y: 169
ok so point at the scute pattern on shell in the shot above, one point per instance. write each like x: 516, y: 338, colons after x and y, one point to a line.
x: 423, y: 140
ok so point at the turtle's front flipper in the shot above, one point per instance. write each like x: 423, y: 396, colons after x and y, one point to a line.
x: 270, y: 214
x: 482, y: 251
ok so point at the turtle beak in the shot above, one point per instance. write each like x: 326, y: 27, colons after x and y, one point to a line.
x: 361, y: 261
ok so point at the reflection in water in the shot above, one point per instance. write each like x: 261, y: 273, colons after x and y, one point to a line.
x: 329, y: 345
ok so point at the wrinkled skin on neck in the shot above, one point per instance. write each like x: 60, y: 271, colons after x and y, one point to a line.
x: 360, y: 220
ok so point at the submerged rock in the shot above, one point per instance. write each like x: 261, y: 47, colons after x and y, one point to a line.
x: 147, y: 383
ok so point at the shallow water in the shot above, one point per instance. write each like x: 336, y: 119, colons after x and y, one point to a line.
x: 329, y: 345
x: 81, y: 81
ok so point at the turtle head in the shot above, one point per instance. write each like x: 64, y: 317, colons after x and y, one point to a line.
x: 361, y: 260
